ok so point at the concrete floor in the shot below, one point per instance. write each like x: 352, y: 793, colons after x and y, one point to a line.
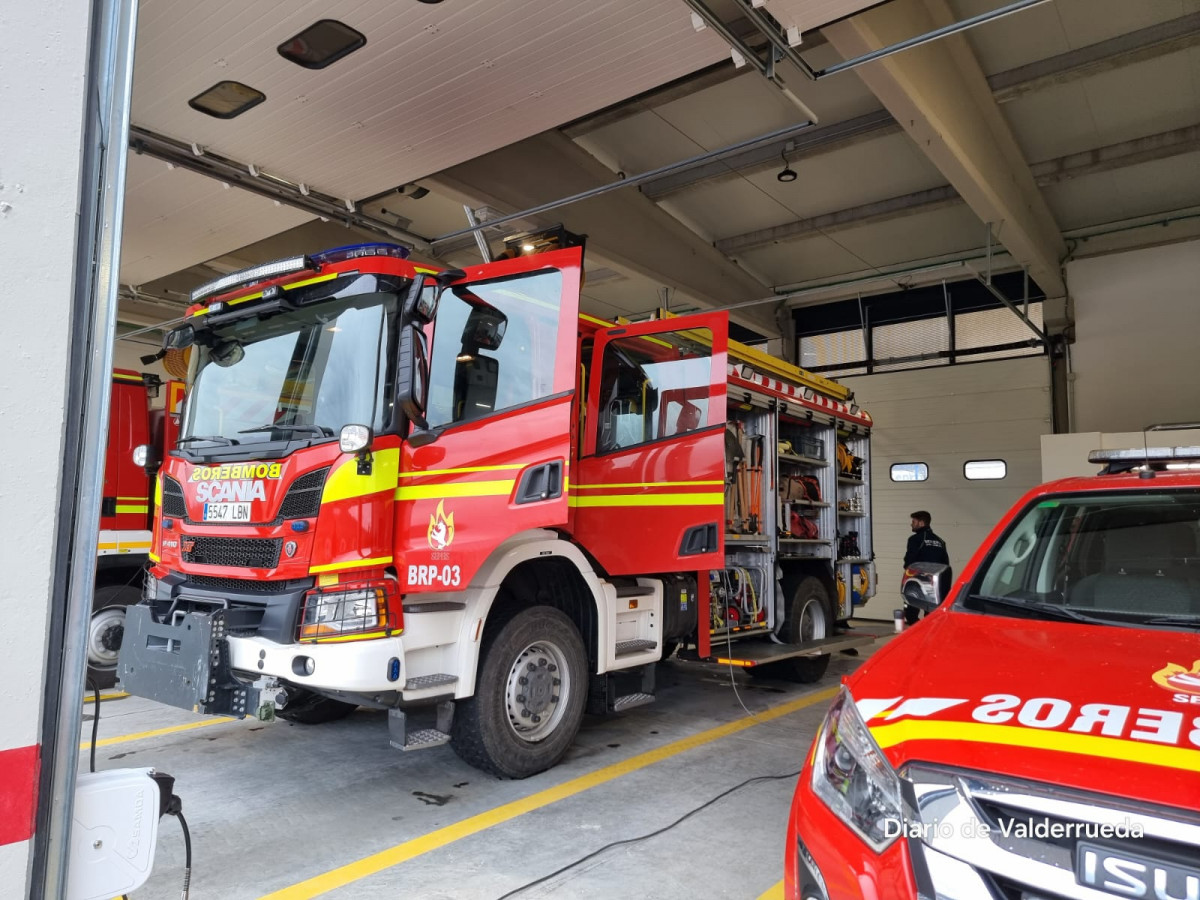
x: 292, y: 811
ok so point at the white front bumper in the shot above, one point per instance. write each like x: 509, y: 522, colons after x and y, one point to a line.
x: 353, y: 666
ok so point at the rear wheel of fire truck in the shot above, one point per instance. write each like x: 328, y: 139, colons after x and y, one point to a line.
x: 308, y: 708
x: 105, y: 631
x: 809, y: 619
x: 529, y: 696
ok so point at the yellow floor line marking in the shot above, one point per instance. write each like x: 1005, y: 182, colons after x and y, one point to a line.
x: 385, y: 859
x: 125, y: 738
x: 117, y: 696
x: 773, y: 893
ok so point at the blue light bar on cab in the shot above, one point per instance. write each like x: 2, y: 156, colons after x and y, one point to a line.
x: 354, y: 251
x: 254, y: 273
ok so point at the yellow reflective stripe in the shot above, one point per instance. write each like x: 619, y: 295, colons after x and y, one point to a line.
x: 424, y: 271
x: 123, y: 545
x: 461, y: 489
x: 287, y: 287
x: 650, y: 500
x: 132, y: 508
x: 153, y: 557
x: 119, y: 377
x: 133, y: 498
x: 462, y: 470
x: 344, y: 482
x: 346, y: 638
x: 158, y: 491
x: 351, y: 564
x: 1039, y: 739
x: 632, y: 484
x: 596, y: 321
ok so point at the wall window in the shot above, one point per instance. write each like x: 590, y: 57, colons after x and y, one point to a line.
x: 985, y: 469
x: 914, y: 471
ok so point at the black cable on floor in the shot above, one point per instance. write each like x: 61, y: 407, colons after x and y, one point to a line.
x: 684, y: 817
x: 95, y: 720
x: 175, y: 808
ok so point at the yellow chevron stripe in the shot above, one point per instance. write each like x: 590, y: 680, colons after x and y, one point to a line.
x: 649, y: 500
x: 351, y: 564
x: 1039, y: 739
x: 344, y: 482
x: 645, y: 484
x: 461, y: 489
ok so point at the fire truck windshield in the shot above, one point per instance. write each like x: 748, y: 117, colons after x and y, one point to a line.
x: 294, y: 375
x: 1117, y: 557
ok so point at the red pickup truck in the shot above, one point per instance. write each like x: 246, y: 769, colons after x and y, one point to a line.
x: 1037, y: 735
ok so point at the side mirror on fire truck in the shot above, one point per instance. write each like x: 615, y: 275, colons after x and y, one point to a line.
x: 146, y: 456
x: 413, y: 371
x: 926, y: 585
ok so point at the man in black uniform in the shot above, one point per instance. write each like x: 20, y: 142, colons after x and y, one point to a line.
x: 924, y: 546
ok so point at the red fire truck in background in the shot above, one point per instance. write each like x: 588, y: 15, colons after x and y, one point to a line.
x: 125, y: 512
x: 404, y: 488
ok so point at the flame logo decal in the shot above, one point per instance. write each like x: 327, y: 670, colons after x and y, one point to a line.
x: 1177, y: 678
x: 441, y: 528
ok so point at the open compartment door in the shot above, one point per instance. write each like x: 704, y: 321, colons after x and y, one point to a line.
x: 649, y: 491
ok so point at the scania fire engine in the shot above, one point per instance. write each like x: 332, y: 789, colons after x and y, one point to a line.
x: 398, y: 487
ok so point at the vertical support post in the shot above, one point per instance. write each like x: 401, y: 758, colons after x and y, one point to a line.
x: 953, y: 337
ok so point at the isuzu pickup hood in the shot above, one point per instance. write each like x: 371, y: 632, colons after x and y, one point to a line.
x: 1098, y: 708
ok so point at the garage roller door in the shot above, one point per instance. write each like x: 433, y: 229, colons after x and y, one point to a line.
x: 944, y: 417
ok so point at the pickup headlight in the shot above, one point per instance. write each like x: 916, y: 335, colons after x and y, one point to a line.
x: 853, y: 777
x: 359, y: 608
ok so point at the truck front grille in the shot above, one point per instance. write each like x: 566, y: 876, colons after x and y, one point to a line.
x: 235, y: 585
x: 982, y: 836
x: 173, y: 505
x: 249, y: 553
x: 303, y: 500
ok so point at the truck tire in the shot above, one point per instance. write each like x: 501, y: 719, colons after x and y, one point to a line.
x: 810, y: 618
x: 308, y: 708
x: 106, y: 629
x: 529, y: 696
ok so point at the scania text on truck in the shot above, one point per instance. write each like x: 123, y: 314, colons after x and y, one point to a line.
x: 450, y: 494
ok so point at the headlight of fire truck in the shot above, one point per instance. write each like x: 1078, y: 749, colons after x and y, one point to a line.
x: 356, y: 608
x: 853, y: 777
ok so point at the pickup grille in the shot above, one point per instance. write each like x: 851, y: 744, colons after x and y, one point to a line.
x: 173, y: 505
x: 249, y: 553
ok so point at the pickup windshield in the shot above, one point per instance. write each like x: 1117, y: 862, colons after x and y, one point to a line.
x: 294, y: 375
x: 1116, y: 558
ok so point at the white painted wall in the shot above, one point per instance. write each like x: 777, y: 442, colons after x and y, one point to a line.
x: 944, y: 417
x: 1137, y: 315
x: 43, y: 53
x: 1065, y: 455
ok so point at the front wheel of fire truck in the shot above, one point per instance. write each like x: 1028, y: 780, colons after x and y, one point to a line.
x: 105, y: 631
x: 529, y: 696
x: 809, y: 619
x: 308, y: 708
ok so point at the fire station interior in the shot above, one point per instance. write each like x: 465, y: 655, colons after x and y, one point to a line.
x: 989, y: 235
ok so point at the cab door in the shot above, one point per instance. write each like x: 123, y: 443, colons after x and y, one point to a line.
x: 494, y: 460
x: 648, y: 495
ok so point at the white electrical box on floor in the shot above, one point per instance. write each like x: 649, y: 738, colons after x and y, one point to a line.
x: 113, y: 833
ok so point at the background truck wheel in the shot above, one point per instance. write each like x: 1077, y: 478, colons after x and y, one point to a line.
x: 810, y: 618
x: 308, y: 708
x: 106, y: 629
x: 529, y: 696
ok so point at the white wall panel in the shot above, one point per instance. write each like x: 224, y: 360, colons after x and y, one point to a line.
x: 1137, y: 315
x: 943, y: 417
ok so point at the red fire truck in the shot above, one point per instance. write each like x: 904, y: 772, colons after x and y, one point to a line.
x: 398, y: 487
x: 124, y: 545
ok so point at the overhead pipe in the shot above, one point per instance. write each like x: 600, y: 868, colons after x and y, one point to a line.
x: 632, y: 181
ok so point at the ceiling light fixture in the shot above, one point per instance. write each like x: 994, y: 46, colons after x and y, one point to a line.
x: 788, y: 173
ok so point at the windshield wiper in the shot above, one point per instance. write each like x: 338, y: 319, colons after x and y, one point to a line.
x: 1192, y: 620
x: 215, y: 438
x: 319, y: 430
x: 1050, y: 610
